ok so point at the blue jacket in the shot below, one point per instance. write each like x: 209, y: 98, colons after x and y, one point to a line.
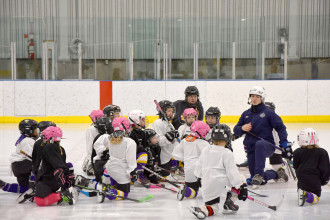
x: 263, y: 121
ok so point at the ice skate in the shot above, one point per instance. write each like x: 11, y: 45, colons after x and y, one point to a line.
x: 229, y: 207
x: 257, y: 180
x: 182, y: 192
x: 302, y: 196
x: 27, y: 195
x: 197, y: 212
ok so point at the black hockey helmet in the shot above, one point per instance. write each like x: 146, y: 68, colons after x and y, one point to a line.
x: 191, y: 90
x: 110, y: 110
x: 45, y: 124
x: 149, y: 134
x: 27, y: 126
x: 220, y: 133
x: 270, y: 105
x: 104, y: 125
x: 213, y: 111
x: 164, y: 105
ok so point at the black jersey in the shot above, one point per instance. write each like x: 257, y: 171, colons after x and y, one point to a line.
x: 53, y: 157
x: 36, y: 155
x: 140, y: 138
x: 312, y: 168
x: 180, y: 106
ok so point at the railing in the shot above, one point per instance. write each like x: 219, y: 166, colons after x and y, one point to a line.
x: 230, y: 61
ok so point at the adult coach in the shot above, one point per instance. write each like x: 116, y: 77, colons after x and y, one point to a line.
x: 191, y: 101
x: 259, y: 120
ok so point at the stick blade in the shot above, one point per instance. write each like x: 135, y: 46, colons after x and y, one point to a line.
x: 146, y: 198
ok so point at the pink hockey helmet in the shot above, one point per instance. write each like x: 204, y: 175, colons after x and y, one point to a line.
x: 52, y: 133
x: 95, y: 114
x: 308, y: 136
x: 199, y: 129
x: 189, y: 111
x: 121, y: 124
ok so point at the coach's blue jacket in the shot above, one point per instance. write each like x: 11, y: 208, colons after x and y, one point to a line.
x: 263, y: 121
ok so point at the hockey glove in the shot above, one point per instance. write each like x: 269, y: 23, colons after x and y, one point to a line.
x: 65, y: 181
x: 105, y: 155
x: 287, y: 150
x: 134, y: 176
x: 69, y: 180
x: 171, y: 135
x: 243, y: 192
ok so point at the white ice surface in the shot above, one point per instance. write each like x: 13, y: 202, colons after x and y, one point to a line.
x: 164, y: 205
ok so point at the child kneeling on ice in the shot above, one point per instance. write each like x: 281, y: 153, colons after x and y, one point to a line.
x: 216, y: 166
x: 312, y: 167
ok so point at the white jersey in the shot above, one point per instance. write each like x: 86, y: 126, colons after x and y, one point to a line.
x: 183, y: 131
x: 216, y: 166
x: 161, y: 128
x: 91, y: 133
x: 122, y: 160
x: 189, y: 152
x: 25, y: 146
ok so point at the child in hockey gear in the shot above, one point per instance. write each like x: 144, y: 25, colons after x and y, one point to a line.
x: 54, y: 172
x: 104, y: 127
x: 138, y: 121
x: 21, y: 163
x: 260, y: 121
x: 38, y: 146
x: 122, y: 159
x: 312, y: 167
x: 212, y: 118
x: 153, y: 151
x: 112, y: 111
x: 189, y: 116
x: 36, y: 160
x: 216, y: 166
x: 167, y: 136
x: 191, y: 101
x: 189, y: 151
x: 91, y: 133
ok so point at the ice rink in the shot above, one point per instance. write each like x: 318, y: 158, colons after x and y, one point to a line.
x: 164, y: 205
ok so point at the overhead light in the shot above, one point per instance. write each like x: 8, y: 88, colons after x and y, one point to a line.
x: 179, y: 19
x: 243, y: 19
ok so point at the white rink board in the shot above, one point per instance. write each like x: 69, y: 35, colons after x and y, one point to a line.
x: 79, y: 98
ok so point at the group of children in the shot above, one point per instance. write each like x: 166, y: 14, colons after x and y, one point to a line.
x: 123, y: 151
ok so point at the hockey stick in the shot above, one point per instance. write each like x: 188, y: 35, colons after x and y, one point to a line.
x: 272, y: 207
x: 159, y: 176
x: 170, y: 171
x: 292, y: 172
x: 157, y: 186
x: 88, y: 194
x: 257, y: 194
x: 165, y: 117
x: 118, y: 196
x: 287, y: 160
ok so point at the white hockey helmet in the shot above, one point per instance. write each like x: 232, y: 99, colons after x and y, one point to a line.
x: 258, y: 90
x: 135, y: 117
x: 308, y: 136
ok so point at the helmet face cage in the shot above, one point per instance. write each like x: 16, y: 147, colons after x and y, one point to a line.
x: 136, y: 117
x: 150, y: 135
x: 103, y: 124
x: 213, y: 111
x: 165, y: 104
x: 110, y: 110
x: 27, y: 127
